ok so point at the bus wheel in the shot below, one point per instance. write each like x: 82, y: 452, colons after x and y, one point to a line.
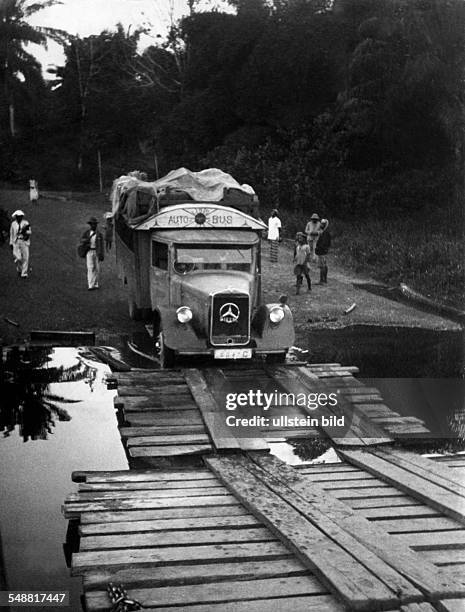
x: 166, y: 355
x: 134, y: 312
x: 276, y: 357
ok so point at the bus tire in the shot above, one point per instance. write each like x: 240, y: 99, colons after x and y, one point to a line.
x: 135, y: 313
x: 166, y: 355
x: 276, y: 357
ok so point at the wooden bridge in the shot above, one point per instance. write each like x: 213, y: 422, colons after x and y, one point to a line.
x: 170, y: 413
x: 239, y: 530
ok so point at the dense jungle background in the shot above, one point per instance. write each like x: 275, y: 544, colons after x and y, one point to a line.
x: 350, y: 108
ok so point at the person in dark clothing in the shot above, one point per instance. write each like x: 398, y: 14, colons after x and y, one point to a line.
x: 302, y: 256
x: 321, y: 250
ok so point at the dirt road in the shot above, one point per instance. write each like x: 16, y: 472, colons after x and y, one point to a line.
x: 55, y: 295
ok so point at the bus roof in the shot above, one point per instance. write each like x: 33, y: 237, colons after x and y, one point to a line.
x: 200, y: 215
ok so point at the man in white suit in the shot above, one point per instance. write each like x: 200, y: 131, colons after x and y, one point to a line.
x: 20, y: 233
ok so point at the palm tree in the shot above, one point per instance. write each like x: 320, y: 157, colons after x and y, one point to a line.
x: 17, y: 66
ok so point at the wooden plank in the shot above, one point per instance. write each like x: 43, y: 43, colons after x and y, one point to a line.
x: 350, y: 483
x: 71, y: 510
x: 291, y: 383
x: 121, y: 476
x: 153, y: 390
x: 409, y: 525
x: 211, y: 413
x: 144, y: 404
x: 444, y: 500
x: 232, y: 591
x: 332, y: 467
x: 381, y: 502
x: 434, y: 472
x: 171, y: 575
x: 369, y: 432
x: 228, y: 506
x: 384, y: 493
x: 339, y: 476
x: 418, y: 607
x: 155, y: 430
x: 392, y: 562
x: 166, y: 440
x: 216, y: 379
x: 353, y: 583
x: 86, y: 496
x: 431, y: 540
x: 146, y: 486
x: 451, y: 605
x: 141, y: 419
x: 163, y: 555
x: 170, y: 451
x: 444, y: 557
x: 312, y: 603
x: 175, y: 524
x: 175, y: 538
x: 379, y: 514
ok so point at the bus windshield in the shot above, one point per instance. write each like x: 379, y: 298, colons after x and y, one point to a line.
x: 216, y: 258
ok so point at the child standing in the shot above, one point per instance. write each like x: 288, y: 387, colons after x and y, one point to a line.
x: 302, y: 256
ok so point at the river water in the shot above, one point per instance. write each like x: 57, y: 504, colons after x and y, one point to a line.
x: 56, y: 416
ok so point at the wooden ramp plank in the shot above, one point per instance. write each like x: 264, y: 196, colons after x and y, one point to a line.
x: 127, y: 527
x: 194, y: 574
x: 222, y: 592
x: 349, y: 579
x: 228, y: 506
x: 168, y: 440
x: 438, y: 474
x: 374, y: 547
x: 163, y: 555
x: 451, y: 605
x: 169, y: 451
x: 145, y: 486
x: 210, y: 411
x: 122, y: 476
x: 370, y: 432
x: 157, y: 430
x: 73, y: 509
x: 356, y: 432
x: 175, y: 538
x: 416, y: 485
x: 85, y: 496
x: 316, y: 603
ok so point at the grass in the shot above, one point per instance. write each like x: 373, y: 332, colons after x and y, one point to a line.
x: 424, y: 251
x: 430, y: 258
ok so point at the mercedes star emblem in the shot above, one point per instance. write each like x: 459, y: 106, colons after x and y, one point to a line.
x: 229, y: 313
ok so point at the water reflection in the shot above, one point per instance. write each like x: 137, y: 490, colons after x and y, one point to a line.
x: 58, y: 391
x: 27, y: 402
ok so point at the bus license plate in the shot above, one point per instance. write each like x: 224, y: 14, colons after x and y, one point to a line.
x: 233, y: 354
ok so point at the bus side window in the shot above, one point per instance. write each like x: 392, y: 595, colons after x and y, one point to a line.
x: 160, y: 255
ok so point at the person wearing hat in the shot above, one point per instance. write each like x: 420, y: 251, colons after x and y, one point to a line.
x: 321, y: 250
x: 312, y: 229
x: 92, y: 241
x: 302, y: 255
x: 20, y: 233
x: 274, y: 235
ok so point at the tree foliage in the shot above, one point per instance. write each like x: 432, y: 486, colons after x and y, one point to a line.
x: 351, y: 105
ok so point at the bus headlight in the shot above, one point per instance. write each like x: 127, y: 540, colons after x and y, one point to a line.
x: 276, y: 314
x: 184, y: 314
